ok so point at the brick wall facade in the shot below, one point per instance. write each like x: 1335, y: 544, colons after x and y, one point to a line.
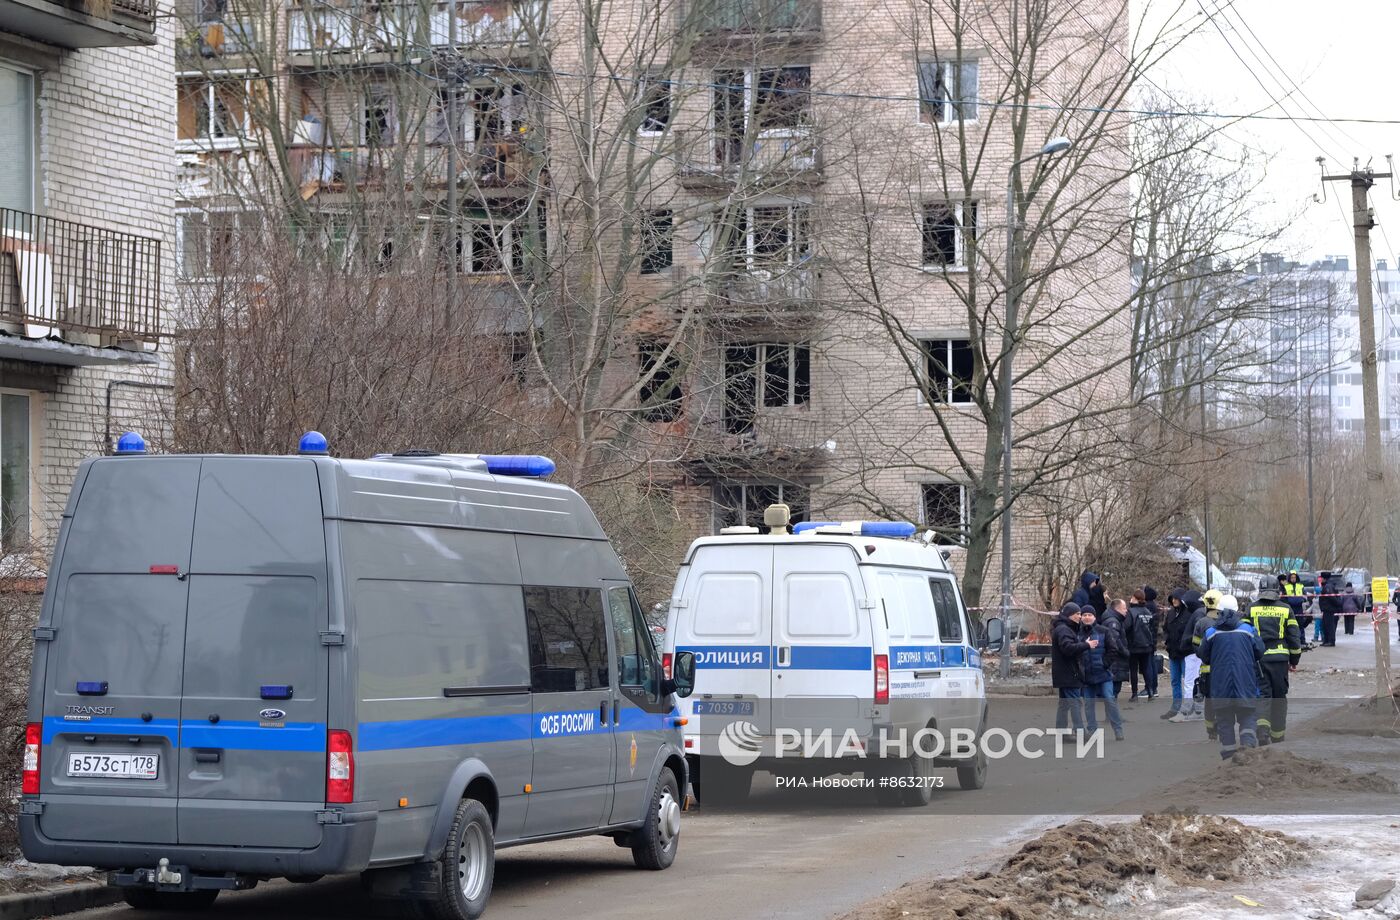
x: 106, y: 126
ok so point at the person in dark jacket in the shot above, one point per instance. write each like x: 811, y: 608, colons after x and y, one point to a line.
x: 1351, y: 606
x: 1114, y: 621
x: 1140, y: 630
x: 1067, y: 648
x: 1174, y: 627
x: 1082, y: 595
x: 1233, y: 651
x: 1098, y: 599
x: 1149, y: 594
x: 1330, y: 603
x: 1104, y: 646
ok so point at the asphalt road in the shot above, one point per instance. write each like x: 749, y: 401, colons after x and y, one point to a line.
x: 814, y: 853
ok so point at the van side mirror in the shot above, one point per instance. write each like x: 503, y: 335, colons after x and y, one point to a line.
x: 682, y: 680
x: 993, y: 635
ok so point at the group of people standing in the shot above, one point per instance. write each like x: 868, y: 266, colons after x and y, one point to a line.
x: 1326, y: 603
x: 1097, y: 645
x: 1229, y: 668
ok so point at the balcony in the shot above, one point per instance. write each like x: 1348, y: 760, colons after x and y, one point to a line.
x: 711, y: 161
x: 76, y: 294
x: 486, y: 166
x: 81, y: 23
x: 223, y: 38
x: 369, y: 27
x: 727, y: 22
x: 784, y: 297
x: 776, y: 442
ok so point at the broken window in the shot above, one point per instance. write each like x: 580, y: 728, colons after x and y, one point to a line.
x: 944, y: 510
x: 779, y: 236
x: 743, y: 504
x: 213, y: 109
x: 768, y: 375
x: 949, y: 367
x: 655, y: 96
x: 379, y: 122
x: 661, y: 394
x: 944, y: 236
x: 784, y: 98
x: 656, y: 242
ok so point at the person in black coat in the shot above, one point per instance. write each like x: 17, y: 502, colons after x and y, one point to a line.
x: 1149, y: 595
x: 1141, y: 631
x: 1114, y: 622
x: 1067, y: 647
x: 1174, y: 626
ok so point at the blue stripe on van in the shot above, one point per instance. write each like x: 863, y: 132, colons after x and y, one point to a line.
x: 251, y: 736
x: 413, y: 733
x: 731, y: 656
x: 829, y: 658
x: 169, y: 729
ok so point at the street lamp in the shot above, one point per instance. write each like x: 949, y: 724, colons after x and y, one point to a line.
x: 1008, y: 345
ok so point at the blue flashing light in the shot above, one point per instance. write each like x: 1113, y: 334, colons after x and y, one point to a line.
x: 131, y: 443
x: 92, y: 688
x: 275, y: 691
x: 805, y: 526
x: 898, y: 529
x: 314, y: 443
x: 517, y: 465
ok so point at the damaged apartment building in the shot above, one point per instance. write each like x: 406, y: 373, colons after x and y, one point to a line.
x: 86, y: 179
x: 685, y: 175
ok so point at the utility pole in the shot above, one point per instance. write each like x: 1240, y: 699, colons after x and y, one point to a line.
x: 1363, y: 220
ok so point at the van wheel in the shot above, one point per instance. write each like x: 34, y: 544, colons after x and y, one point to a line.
x: 468, y: 866
x: 718, y: 782
x: 150, y: 899
x: 654, y: 844
x: 912, y: 782
x: 973, y: 775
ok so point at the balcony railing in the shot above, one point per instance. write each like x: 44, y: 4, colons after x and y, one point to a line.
x: 386, y: 26
x: 83, y: 284
x: 767, y: 440
x: 746, y: 19
x: 213, y: 39
x: 708, y: 158
x: 778, y: 296
x: 495, y: 164
x: 80, y: 23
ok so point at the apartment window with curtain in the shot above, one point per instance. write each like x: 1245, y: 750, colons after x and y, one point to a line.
x: 947, y: 91
x: 17, y: 176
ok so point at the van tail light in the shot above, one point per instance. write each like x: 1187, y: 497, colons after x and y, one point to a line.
x: 33, y: 741
x: 882, y: 678
x: 340, y: 768
x: 666, y: 665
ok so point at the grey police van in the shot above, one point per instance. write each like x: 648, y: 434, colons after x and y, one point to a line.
x: 254, y: 667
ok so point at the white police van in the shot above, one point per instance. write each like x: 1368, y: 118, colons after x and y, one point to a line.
x: 849, y: 627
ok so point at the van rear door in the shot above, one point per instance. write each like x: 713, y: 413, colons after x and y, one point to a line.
x: 823, y: 663
x: 725, y: 616
x: 253, y: 721
x: 112, y: 687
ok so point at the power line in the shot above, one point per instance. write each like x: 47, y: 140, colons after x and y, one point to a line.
x: 1267, y: 92
x: 1140, y: 112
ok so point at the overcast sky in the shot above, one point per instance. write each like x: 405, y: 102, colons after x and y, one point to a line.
x: 1342, y: 54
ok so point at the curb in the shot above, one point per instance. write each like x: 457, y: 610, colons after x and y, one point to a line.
x: 30, y: 904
